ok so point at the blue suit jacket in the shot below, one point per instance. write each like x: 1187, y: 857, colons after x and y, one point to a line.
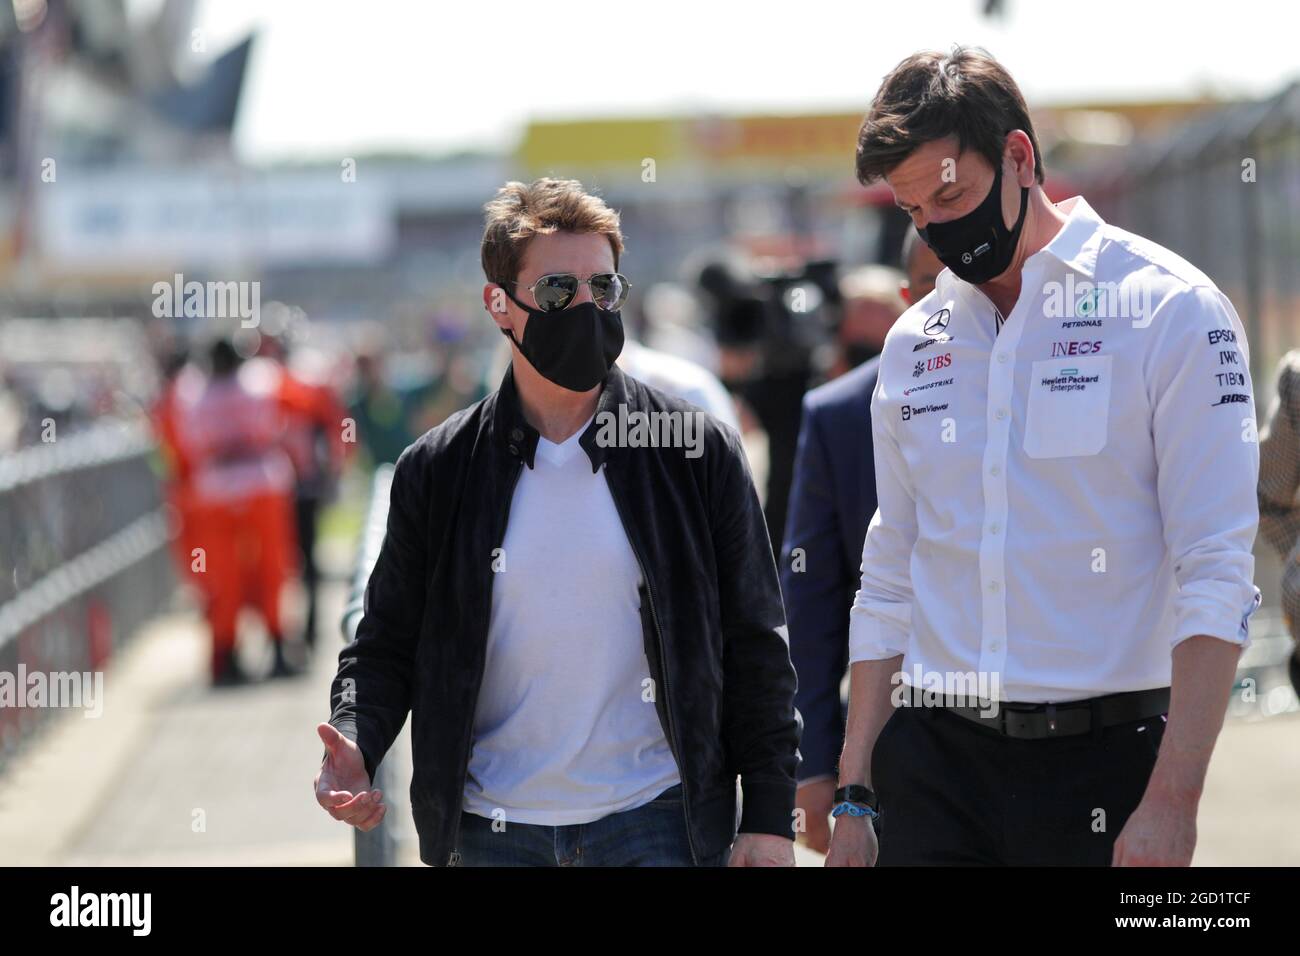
x: 831, y: 504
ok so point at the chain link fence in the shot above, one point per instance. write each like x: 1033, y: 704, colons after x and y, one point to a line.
x: 83, y: 560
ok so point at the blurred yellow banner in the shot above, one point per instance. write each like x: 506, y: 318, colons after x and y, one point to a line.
x: 812, y: 140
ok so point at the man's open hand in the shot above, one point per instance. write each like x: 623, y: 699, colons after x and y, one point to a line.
x: 343, y: 786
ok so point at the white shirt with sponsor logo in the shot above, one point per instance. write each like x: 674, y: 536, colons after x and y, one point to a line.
x: 1063, y: 501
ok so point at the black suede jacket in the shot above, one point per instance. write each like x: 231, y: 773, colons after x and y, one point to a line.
x: 711, y: 613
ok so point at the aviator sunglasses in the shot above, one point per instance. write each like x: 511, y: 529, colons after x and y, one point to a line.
x: 554, y: 291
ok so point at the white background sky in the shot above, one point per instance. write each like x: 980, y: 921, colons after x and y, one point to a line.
x: 332, y: 78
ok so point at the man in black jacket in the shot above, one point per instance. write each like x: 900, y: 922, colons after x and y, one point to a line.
x: 575, y: 599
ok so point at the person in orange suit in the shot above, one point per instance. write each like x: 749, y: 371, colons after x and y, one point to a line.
x: 231, y: 430
x: 314, y: 441
x: 176, y: 471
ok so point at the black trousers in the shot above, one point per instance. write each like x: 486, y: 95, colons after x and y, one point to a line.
x: 953, y: 793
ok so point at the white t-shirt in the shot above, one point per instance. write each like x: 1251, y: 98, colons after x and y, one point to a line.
x: 565, y: 731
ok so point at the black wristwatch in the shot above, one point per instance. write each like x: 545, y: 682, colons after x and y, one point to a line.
x: 856, y: 793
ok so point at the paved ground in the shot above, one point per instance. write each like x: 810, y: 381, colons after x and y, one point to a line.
x: 176, y: 773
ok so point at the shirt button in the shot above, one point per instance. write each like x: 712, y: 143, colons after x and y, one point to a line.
x: 1002, y: 356
x: 1001, y: 413
x: 995, y: 471
x: 993, y: 586
x: 994, y: 528
x: 995, y: 647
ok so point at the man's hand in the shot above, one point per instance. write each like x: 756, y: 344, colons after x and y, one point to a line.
x: 853, y: 842
x: 815, y: 800
x: 762, y: 849
x: 1160, y: 832
x: 343, y: 786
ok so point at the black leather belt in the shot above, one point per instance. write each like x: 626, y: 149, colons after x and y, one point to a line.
x: 1068, y: 719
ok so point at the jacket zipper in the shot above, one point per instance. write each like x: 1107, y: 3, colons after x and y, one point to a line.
x: 663, y: 667
x: 454, y: 857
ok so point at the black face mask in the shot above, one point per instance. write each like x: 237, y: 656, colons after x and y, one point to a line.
x: 575, y: 347
x: 978, y: 246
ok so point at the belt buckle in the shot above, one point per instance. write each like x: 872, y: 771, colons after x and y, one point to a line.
x: 1005, y: 724
x: 1003, y: 729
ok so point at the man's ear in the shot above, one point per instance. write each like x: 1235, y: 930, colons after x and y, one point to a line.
x: 1021, y: 150
x: 497, y: 304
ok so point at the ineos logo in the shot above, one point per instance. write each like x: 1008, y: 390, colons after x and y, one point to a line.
x: 937, y: 322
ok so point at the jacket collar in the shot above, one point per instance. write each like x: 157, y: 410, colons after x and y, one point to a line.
x: 519, y: 439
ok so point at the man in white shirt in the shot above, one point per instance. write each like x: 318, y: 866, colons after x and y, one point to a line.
x: 1066, y: 460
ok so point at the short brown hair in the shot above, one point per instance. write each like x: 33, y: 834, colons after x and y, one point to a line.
x: 930, y: 96
x: 518, y: 212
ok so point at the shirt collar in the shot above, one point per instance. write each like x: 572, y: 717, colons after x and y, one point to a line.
x: 1077, y: 243
x: 519, y: 439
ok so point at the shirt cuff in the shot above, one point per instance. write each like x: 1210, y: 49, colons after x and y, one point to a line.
x: 1213, y: 617
x: 874, y: 638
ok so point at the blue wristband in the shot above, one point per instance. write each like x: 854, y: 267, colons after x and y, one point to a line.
x: 854, y: 810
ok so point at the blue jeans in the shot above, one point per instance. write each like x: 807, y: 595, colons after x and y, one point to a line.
x: 653, y: 834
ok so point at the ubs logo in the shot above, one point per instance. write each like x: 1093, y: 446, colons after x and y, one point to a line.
x: 932, y: 364
x: 937, y: 322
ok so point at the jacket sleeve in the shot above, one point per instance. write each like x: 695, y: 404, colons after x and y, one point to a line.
x: 815, y: 581
x: 1279, y: 464
x: 371, y: 692
x: 880, y: 620
x: 760, y: 725
x: 1207, y: 463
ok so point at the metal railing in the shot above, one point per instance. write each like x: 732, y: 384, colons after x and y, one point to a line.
x: 377, y: 847
x: 83, y: 558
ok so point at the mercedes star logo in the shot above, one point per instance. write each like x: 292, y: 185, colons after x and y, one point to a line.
x: 937, y: 322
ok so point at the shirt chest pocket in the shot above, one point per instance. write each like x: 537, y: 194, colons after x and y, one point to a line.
x: 1068, y: 413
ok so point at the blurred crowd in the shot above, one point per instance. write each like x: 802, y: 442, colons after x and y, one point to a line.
x: 258, y: 427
